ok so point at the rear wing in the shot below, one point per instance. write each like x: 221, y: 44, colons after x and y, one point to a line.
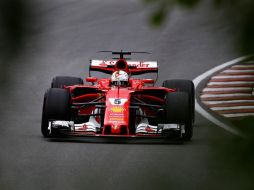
x: 133, y: 67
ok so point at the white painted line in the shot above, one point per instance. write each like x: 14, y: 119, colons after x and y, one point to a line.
x: 226, y: 89
x: 233, y: 77
x: 202, y: 111
x: 217, y: 122
x: 226, y: 95
x: 237, y: 71
x: 231, y: 108
x: 225, y: 83
x: 228, y: 101
x: 238, y: 114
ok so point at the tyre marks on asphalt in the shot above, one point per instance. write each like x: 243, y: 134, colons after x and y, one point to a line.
x: 230, y: 93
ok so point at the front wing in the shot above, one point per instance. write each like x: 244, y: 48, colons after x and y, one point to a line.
x: 69, y: 129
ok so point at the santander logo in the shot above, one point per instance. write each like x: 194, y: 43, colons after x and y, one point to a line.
x: 138, y: 64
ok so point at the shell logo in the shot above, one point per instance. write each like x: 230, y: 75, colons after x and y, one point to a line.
x: 117, y: 109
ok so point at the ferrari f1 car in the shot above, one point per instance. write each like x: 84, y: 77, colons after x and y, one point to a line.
x: 119, y: 106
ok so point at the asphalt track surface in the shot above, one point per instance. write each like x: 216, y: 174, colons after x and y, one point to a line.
x: 66, y: 35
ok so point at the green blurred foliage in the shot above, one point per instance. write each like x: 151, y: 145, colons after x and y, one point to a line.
x: 241, y: 14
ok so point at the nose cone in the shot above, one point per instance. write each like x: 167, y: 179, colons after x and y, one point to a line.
x: 116, y: 129
x: 116, y: 120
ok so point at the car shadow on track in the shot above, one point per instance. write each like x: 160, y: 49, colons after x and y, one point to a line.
x: 111, y: 140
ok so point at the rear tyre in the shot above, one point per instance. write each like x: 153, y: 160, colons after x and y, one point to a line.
x: 178, y: 111
x: 61, y: 81
x: 183, y: 86
x: 56, y: 106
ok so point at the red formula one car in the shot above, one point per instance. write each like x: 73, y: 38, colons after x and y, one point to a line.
x: 119, y: 106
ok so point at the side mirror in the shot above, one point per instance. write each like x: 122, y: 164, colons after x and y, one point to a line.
x: 91, y: 79
x: 148, y: 81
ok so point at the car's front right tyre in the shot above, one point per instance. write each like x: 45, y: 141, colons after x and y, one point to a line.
x: 61, y: 81
x: 56, y: 106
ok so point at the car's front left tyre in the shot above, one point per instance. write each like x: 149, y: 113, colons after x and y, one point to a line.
x: 178, y: 111
x: 181, y: 85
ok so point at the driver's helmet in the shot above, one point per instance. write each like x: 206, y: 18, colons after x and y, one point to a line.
x: 120, y: 78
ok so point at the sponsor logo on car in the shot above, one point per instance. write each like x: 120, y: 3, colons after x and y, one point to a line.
x: 137, y: 64
x: 117, y: 109
x: 116, y: 119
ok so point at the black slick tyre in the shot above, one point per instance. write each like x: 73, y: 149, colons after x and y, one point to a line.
x: 61, y: 81
x: 182, y: 85
x: 178, y: 111
x: 56, y: 106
